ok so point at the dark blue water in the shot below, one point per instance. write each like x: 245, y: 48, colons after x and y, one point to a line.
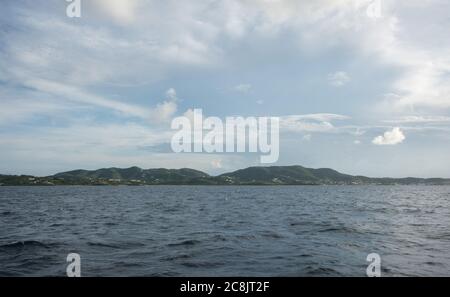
x: 225, y: 231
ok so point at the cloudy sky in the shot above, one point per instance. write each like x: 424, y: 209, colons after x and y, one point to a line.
x: 361, y: 92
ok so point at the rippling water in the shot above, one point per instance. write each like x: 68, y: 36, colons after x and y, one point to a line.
x: 225, y: 231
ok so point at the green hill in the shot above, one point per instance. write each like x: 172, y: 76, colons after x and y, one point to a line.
x: 287, y: 175
x: 273, y: 175
x: 133, y: 175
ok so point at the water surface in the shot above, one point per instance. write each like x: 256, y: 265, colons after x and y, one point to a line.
x: 225, y: 231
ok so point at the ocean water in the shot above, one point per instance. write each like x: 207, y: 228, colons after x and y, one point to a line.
x: 225, y: 231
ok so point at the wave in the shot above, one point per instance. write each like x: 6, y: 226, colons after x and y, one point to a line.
x: 322, y: 271
x: 205, y: 264
x: 271, y: 234
x: 177, y: 257
x: 27, y: 243
x: 185, y: 242
x: 101, y: 244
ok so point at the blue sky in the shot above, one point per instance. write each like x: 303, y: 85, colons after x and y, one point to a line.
x: 367, y: 95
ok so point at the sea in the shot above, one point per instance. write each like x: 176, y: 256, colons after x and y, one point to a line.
x: 225, y: 230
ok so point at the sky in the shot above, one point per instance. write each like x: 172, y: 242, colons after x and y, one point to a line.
x: 360, y: 90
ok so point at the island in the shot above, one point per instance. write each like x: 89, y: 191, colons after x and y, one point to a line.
x: 272, y: 175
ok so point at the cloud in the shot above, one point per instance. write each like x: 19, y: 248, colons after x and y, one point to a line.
x: 163, y: 112
x: 420, y: 120
x: 166, y: 110
x: 338, y: 79
x: 243, y: 88
x: 320, y: 122
x: 122, y: 12
x: 417, y: 50
x: 319, y: 117
x: 203, y: 32
x: 393, y: 137
x: 171, y: 94
x: 40, y: 41
x: 77, y: 95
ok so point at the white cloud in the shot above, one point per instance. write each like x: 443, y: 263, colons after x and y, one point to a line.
x: 243, y: 88
x: 166, y: 110
x: 200, y: 37
x: 69, y: 96
x: 122, y: 12
x: 395, y: 136
x: 319, y: 117
x: 202, y: 31
x: 77, y: 95
x: 320, y: 122
x: 338, y: 79
x: 420, y: 119
x: 418, y: 50
x: 171, y: 94
x: 163, y: 112
x: 303, y: 126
